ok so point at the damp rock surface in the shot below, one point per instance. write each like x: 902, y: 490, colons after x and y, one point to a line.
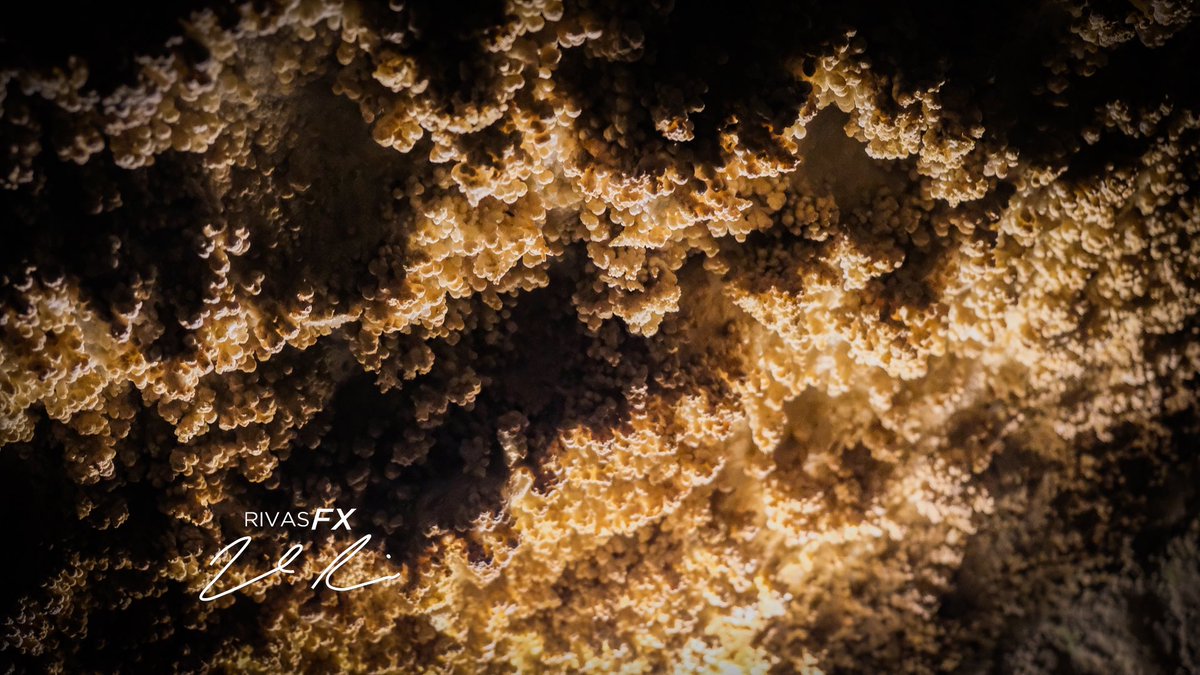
x: 645, y: 337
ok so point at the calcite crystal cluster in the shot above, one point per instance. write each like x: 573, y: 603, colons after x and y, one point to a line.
x: 643, y: 336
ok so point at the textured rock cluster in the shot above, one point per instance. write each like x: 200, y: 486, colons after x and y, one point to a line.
x: 645, y: 337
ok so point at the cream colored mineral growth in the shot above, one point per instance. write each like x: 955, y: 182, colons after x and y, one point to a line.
x: 760, y: 337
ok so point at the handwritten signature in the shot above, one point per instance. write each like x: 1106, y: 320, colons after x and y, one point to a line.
x: 283, y: 567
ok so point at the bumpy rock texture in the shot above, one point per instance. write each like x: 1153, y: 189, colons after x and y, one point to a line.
x: 769, y: 337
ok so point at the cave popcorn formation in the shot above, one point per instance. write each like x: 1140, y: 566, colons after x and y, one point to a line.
x: 645, y: 338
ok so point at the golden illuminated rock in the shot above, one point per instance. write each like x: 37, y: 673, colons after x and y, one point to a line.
x: 645, y: 337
